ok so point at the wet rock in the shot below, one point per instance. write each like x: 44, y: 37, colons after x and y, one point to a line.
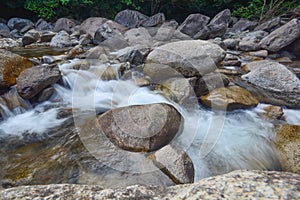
x: 13, y: 100
x: 282, y: 36
x: 45, y: 94
x: 64, y: 24
x: 130, y: 18
x: 175, y: 163
x: 193, y: 23
x: 141, y: 128
x: 242, y: 25
x: 269, y: 25
x: 109, y: 35
x: 78, y: 49
x: 196, y: 57
x: 288, y: 143
x: 235, y: 185
x: 91, y: 25
x: 273, y: 112
x: 30, y: 37
x: 35, y: 79
x: 19, y: 23
x: 229, y: 98
x: 154, y: 20
x: 272, y: 76
x: 42, y: 25
x: 11, y: 66
x: 159, y: 72
x: 106, y: 72
x: 236, y: 63
x: 179, y: 90
x: 219, y: 24
x: 138, y: 36
x: 61, y: 39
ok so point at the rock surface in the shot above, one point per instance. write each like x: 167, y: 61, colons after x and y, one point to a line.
x: 288, y: 143
x: 282, y: 37
x: 11, y: 66
x: 190, y: 58
x: 61, y: 39
x: 35, y: 79
x: 64, y: 24
x: 234, y: 185
x: 90, y: 25
x: 272, y: 76
x: 193, y: 23
x: 229, y: 98
x: 141, y: 128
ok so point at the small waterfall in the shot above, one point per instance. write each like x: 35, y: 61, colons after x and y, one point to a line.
x: 217, y: 142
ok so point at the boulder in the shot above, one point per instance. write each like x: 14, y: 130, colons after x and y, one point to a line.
x: 272, y: 76
x: 42, y: 25
x: 135, y: 55
x: 190, y: 57
x: 64, y: 24
x: 175, y: 163
x: 273, y: 112
x: 30, y: 37
x: 61, y: 39
x: 19, y: 23
x: 91, y: 25
x: 130, y: 18
x: 4, y: 30
x: 11, y: 66
x: 219, y: 24
x: 229, y: 98
x: 165, y: 32
x: 154, y: 20
x: 239, y: 184
x: 138, y: 36
x: 288, y: 144
x: 231, y: 43
x: 269, y: 25
x: 242, y: 25
x: 46, y: 36
x: 294, y: 47
x: 282, y: 36
x: 109, y: 35
x: 141, y: 128
x: 193, y: 24
x: 33, y: 80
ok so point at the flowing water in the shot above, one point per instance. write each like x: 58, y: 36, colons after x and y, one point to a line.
x: 217, y: 142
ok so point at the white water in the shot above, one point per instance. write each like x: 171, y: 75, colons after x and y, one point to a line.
x: 217, y: 142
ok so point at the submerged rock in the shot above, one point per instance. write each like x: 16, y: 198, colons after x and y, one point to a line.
x: 229, y: 98
x: 190, y: 58
x: 141, y: 128
x: 234, y: 185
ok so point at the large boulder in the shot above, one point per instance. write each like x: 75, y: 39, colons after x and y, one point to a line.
x: 242, y: 25
x: 288, y: 144
x: 229, y: 98
x: 30, y: 37
x: 138, y: 36
x: 193, y: 23
x: 141, y: 128
x: 190, y: 57
x: 19, y: 23
x: 64, y: 24
x: 154, y: 20
x: 219, y: 24
x: 42, y: 25
x: 282, y: 36
x: 61, y: 39
x: 234, y: 185
x: 269, y: 25
x: 35, y: 79
x: 272, y: 76
x: 11, y: 66
x: 130, y: 18
x: 90, y: 25
x: 108, y: 34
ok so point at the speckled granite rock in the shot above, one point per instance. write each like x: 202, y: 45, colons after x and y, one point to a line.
x: 235, y: 185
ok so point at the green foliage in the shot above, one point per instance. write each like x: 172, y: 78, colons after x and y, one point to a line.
x: 264, y: 10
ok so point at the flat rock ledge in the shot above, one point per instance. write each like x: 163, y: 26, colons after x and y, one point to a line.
x: 239, y: 184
